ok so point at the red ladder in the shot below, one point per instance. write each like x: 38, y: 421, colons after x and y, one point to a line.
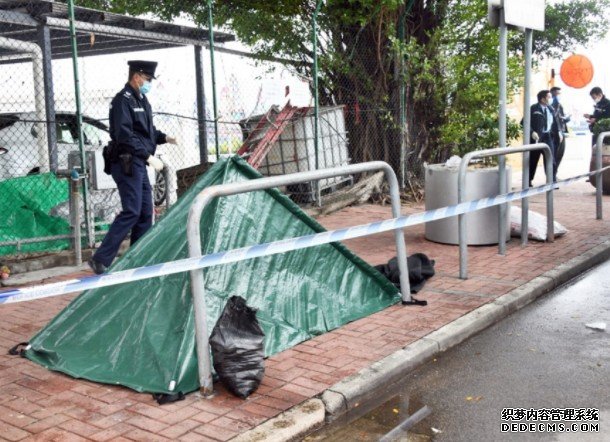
x: 266, y: 133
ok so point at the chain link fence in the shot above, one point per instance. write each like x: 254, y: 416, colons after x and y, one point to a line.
x: 39, y: 132
x: 265, y: 113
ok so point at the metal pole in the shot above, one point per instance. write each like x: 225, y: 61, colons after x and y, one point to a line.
x: 525, y: 173
x: 44, y: 37
x: 399, y: 235
x: 402, y: 116
x: 550, y: 225
x: 462, y: 190
x: 194, y: 242
x: 316, y: 115
x: 316, y: 107
x: 502, y: 129
x: 403, y: 105
x: 599, y: 178
x: 75, y: 221
x: 204, y: 364
x: 79, y: 124
x: 201, y: 117
x: 213, y: 68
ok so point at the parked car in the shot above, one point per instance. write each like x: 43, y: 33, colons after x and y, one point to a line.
x: 19, y: 139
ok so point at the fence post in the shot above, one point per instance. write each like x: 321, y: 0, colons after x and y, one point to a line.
x: 75, y: 219
x: 79, y: 123
x: 213, y: 68
x: 44, y: 38
x: 201, y: 117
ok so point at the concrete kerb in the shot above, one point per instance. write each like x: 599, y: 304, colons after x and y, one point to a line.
x: 345, y: 394
x: 348, y: 393
x: 574, y: 267
x: 289, y: 425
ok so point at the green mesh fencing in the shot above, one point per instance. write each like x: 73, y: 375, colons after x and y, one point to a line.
x: 25, y: 206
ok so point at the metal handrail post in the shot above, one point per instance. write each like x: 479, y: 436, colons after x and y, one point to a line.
x: 525, y: 170
x: 550, y: 220
x: 599, y: 182
x: 193, y: 232
x: 462, y: 189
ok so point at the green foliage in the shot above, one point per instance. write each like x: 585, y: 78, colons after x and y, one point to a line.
x: 600, y: 126
x: 470, y: 46
x: 449, y: 51
x: 569, y: 24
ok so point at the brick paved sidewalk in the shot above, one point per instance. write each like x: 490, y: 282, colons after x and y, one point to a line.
x: 36, y: 404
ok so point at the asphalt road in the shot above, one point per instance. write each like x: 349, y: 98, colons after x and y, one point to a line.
x: 540, y: 357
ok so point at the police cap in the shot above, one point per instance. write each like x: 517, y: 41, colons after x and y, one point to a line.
x: 145, y: 67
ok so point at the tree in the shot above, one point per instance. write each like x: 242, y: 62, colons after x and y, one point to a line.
x: 448, y: 50
x: 472, y: 64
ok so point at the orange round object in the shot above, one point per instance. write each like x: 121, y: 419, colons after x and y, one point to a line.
x: 576, y: 71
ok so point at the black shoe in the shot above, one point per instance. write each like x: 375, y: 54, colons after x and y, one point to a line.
x: 97, y: 267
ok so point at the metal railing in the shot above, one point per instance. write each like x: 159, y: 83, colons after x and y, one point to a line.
x: 463, y: 243
x: 194, y: 242
x: 599, y: 179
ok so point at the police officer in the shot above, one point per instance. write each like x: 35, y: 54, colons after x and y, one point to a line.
x: 135, y: 140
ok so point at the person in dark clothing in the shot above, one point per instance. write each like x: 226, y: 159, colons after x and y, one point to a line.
x: 135, y: 140
x: 601, y: 109
x: 541, y: 131
x: 560, y: 128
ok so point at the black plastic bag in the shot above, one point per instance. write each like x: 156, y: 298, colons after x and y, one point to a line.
x: 237, y: 348
x: 420, y: 266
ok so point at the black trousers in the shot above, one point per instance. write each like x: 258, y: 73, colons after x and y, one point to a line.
x: 535, y: 156
x: 560, y: 147
x: 136, y: 198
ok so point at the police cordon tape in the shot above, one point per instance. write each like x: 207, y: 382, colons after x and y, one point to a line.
x: 272, y: 248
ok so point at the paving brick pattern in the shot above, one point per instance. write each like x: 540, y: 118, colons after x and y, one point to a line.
x: 36, y: 404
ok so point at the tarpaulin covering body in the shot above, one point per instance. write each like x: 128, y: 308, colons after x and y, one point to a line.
x: 25, y: 203
x: 141, y: 334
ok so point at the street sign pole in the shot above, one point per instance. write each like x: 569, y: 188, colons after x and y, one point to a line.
x: 502, y: 130
x: 525, y: 15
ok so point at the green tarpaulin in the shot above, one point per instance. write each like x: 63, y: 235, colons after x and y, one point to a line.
x: 25, y: 204
x: 141, y: 334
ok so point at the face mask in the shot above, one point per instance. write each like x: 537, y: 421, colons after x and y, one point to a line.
x: 597, y: 100
x: 145, y: 88
x: 556, y: 99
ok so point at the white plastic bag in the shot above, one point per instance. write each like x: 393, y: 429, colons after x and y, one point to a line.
x: 453, y: 162
x: 536, y: 225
